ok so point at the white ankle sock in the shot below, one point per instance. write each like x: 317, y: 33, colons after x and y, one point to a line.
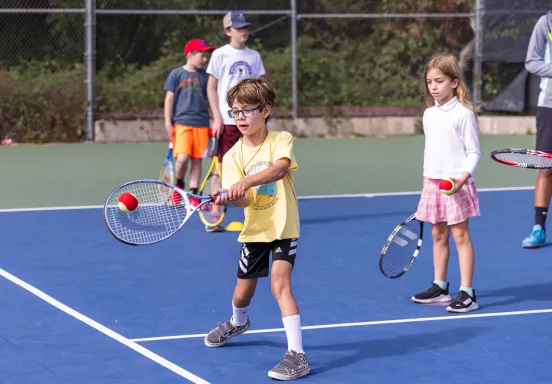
x: 239, y: 315
x: 292, y: 325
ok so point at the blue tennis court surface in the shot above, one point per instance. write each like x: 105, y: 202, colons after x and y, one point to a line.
x: 78, y: 306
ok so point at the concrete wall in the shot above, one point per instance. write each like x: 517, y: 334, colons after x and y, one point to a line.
x: 154, y: 130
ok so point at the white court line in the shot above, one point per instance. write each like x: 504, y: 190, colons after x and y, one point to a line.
x: 365, y: 323
x: 386, y: 194
x: 106, y: 331
x: 311, y: 197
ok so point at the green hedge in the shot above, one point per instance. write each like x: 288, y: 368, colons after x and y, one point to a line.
x: 340, y: 63
x: 42, y: 106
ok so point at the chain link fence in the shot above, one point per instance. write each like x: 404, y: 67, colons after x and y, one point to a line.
x: 329, y: 56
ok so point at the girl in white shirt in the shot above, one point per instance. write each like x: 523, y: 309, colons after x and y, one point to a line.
x: 451, y: 150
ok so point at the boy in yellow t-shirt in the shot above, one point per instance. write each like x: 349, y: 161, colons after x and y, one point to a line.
x: 256, y: 176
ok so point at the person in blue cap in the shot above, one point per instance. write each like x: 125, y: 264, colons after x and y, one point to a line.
x: 229, y: 65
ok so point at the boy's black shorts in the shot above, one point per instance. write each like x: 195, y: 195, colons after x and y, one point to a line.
x: 544, y: 129
x: 255, y: 257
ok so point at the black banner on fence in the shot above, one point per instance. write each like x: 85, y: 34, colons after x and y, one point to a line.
x: 508, y: 26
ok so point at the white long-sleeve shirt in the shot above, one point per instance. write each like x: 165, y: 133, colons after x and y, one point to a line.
x: 451, y: 141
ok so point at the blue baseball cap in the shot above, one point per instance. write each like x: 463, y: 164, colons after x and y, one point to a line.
x: 235, y: 19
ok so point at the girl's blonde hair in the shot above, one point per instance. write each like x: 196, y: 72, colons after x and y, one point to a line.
x: 448, y: 64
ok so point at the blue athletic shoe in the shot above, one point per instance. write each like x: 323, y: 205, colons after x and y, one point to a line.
x: 536, y: 239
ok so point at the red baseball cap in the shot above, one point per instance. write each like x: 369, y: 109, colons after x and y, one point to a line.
x: 197, y: 45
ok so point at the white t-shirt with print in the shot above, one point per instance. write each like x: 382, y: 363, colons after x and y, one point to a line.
x: 229, y: 66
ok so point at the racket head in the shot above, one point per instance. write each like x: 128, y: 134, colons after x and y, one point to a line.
x: 402, y: 247
x: 166, y: 174
x: 523, y: 158
x: 155, y: 219
x: 212, y: 215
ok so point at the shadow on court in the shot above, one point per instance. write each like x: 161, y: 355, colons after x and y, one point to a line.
x: 519, y: 294
x: 352, y: 217
x: 376, y: 348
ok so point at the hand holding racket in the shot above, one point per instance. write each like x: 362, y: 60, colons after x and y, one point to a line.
x: 402, y: 248
x: 153, y: 218
x: 523, y: 158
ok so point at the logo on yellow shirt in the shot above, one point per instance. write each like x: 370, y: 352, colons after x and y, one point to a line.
x: 265, y: 194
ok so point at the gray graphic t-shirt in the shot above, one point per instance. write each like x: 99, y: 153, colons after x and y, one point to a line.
x: 190, y: 97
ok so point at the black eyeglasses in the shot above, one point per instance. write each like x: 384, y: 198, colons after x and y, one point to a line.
x: 246, y: 112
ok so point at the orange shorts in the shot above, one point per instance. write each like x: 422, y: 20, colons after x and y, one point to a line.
x: 190, y: 141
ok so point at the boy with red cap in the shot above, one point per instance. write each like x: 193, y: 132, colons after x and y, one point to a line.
x: 187, y: 114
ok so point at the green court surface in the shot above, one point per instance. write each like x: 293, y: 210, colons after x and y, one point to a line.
x: 84, y: 174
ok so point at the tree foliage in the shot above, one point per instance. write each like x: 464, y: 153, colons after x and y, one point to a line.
x: 340, y: 62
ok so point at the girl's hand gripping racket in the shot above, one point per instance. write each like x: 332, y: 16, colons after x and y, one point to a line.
x: 141, y: 212
x: 402, y: 248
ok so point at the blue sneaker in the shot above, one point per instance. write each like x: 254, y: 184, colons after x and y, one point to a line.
x: 536, y: 239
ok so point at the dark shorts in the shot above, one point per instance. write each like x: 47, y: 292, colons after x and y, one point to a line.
x: 255, y: 257
x: 544, y: 129
x: 230, y: 136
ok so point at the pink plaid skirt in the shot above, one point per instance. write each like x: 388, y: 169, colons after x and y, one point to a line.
x: 435, y: 207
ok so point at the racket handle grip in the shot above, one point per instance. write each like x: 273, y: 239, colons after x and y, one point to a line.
x: 214, y: 195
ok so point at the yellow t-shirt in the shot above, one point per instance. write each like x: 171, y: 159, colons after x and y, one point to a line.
x: 273, y: 213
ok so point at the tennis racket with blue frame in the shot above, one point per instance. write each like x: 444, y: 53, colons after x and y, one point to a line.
x: 156, y: 218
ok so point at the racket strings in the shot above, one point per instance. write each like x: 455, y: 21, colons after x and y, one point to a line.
x: 167, y: 176
x: 153, y: 220
x: 401, y: 249
x: 211, y: 212
x: 524, y: 159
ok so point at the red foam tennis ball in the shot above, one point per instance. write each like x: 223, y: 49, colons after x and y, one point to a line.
x: 447, y: 186
x: 128, y: 202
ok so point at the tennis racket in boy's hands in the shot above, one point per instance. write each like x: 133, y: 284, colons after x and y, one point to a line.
x: 402, y: 248
x: 221, y: 198
x: 523, y: 158
x: 151, y: 217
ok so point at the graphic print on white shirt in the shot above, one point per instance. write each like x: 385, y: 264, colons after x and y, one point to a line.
x: 229, y: 66
x: 239, y: 71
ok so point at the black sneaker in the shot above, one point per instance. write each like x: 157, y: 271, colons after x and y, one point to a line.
x: 224, y: 332
x: 463, y: 303
x: 434, y: 294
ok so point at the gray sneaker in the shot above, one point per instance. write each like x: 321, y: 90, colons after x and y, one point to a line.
x: 293, y: 366
x: 224, y: 332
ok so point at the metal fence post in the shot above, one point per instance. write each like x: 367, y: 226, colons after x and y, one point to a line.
x: 294, y: 102
x: 90, y: 64
x: 478, y: 54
